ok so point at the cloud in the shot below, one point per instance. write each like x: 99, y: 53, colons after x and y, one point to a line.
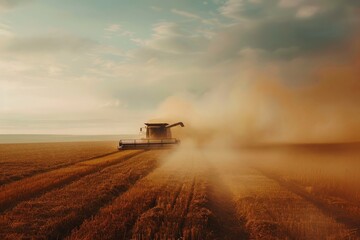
x: 290, y: 3
x: 117, y: 28
x: 185, y: 14
x: 113, y: 28
x: 246, y: 9
x: 257, y: 11
x: 8, y: 4
x: 156, y: 8
x: 46, y: 44
x: 303, y: 29
x: 189, y: 15
x: 5, y: 30
x: 232, y: 9
x: 307, y: 11
x: 62, y: 104
x: 171, y: 41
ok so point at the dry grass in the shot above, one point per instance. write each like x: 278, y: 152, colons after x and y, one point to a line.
x: 18, y: 161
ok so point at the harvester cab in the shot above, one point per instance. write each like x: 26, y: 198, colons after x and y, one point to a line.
x: 158, y: 135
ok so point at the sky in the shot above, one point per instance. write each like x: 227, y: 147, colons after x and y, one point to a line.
x: 278, y: 70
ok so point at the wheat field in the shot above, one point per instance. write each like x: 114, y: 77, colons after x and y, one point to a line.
x: 92, y: 191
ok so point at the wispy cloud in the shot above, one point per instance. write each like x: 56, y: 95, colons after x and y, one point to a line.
x: 171, y: 38
x: 156, y: 8
x: 47, y: 44
x: 232, y: 9
x: 290, y: 3
x: 189, y: 15
x: 113, y: 28
x: 118, y: 29
x: 8, y: 4
x: 186, y: 14
x: 5, y: 30
x: 307, y: 11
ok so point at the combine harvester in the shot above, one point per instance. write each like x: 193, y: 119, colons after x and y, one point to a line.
x: 158, y: 135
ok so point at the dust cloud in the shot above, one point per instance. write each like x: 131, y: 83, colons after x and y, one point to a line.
x: 308, y: 100
x: 304, y: 129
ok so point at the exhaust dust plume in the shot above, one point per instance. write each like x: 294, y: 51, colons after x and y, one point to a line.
x: 308, y: 100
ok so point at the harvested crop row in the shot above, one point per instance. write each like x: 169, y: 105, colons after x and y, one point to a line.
x: 187, y: 208
x: 329, y: 172
x: 166, y: 219
x: 175, y: 202
x: 273, y: 212
x: 197, y: 224
x: 342, y: 210
x: 167, y: 204
x: 327, y: 176
x: 116, y: 220
x: 18, y: 161
x: 56, y: 213
x: 13, y: 193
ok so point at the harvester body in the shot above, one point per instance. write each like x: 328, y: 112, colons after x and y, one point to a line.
x: 158, y: 135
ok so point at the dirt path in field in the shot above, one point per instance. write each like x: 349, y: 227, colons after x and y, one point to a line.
x: 273, y: 212
x: 227, y: 224
x: 13, y: 193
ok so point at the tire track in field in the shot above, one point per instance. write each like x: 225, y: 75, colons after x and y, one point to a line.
x: 51, y: 168
x: 165, y: 219
x: 186, y: 210
x: 337, y: 213
x: 176, y: 195
x: 14, y: 193
x: 226, y: 223
x: 64, y: 209
x: 180, y: 212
